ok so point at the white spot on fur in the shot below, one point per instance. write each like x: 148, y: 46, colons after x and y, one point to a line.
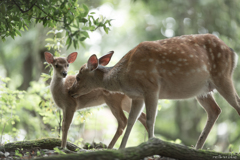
x: 214, y: 44
x: 191, y: 55
x: 219, y: 55
x: 143, y: 60
x: 210, y: 49
x: 165, y: 53
x: 154, y: 71
x: 204, y: 46
x: 204, y: 67
x: 212, y: 56
x: 179, y: 59
x: 150, y: 60
x: 214, y: 66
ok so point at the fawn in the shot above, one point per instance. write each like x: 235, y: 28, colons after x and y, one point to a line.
x: 175, y: 68
x: 60, y: 85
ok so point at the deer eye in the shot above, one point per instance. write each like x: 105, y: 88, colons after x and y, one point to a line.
x: 67, y: 65
x: 56, y: 66
x: 78, y: 79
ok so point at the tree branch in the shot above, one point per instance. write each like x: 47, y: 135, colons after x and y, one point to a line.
x: 21, y: 8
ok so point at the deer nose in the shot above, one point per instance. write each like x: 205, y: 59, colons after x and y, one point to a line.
x: 64, y: 74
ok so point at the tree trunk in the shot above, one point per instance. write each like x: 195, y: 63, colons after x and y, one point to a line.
x: 153, y: 147
x: 48, y: 143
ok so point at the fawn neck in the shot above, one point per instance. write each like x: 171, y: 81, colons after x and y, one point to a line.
x: 57, y: 82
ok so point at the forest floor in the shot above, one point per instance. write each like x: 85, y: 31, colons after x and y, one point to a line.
x: 37, y: 152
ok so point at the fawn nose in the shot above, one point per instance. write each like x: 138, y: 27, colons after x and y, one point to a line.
x: 64, y: 74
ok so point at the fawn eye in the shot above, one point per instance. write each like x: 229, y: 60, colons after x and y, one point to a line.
x: 56, y: 66
x: 67, y: 65
x: 78, y: 79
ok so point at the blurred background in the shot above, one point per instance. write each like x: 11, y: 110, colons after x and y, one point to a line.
x: 134, y: 21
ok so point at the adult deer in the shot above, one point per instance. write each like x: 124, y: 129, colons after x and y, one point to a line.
x: 60, y: 85
x: 174, y: 68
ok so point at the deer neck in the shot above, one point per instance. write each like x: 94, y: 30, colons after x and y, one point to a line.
x: 109, y: 78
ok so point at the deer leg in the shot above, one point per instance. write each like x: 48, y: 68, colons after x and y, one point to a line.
x: 121, y: 119
x: 67, y: 120
x: 225, y: 87
x: 126, y: 106
x: 133, y: 115
x: 151, y: 101
x: 213, y: 111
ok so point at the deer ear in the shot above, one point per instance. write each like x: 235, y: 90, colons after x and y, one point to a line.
x: 48, y: 57
x: 104, y: 60
x: 92, y: 62
x: 72, y: 57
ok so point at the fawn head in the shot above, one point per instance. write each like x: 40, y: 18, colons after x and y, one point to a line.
x: 60, y: 64
x: 89, y: 75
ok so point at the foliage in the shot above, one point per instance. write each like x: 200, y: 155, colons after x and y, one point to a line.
x: 57, y: 150
x: 9, y: 99
x: 75, y: 19
x: 17, y: 153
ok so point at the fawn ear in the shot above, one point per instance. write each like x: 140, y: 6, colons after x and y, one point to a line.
x: 104, y: 60
x: 72, y: 57
x: 92, y: 62
x: 48, y: 57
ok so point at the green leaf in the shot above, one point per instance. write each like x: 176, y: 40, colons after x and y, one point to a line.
x: 70, y: 42
x: 12, y: 34
x: 84, y: 20
x: 18, y: 32
x: 86, y: 10
x: 82, y: 38
x: 49, y: 39
x: 92, y: 28
x: 75, y: 43
x: 105, y: 29
x: 85, y: 34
